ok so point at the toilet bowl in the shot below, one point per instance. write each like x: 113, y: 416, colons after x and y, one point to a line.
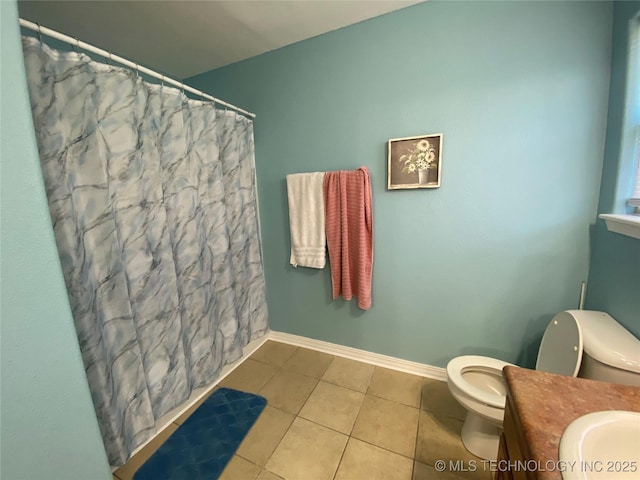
x: 476, y: 383
x: 575, y: 343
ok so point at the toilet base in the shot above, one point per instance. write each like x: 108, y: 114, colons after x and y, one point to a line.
x: 480, y: 436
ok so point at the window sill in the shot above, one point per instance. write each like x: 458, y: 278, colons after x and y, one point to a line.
x: 624, y: 224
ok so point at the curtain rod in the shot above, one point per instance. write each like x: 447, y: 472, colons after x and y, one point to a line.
x: 103, y: 53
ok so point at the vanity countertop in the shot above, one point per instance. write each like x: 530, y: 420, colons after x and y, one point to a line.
x: 545, y: 404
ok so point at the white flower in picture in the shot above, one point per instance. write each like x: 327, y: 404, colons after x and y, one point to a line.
x: 422, y: 157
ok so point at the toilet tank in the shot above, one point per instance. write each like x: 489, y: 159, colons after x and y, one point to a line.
x: 610, y: 352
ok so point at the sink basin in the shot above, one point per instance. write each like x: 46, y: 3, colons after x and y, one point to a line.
x: 603, y: 446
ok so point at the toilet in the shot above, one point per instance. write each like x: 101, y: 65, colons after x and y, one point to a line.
x: 580, y: 343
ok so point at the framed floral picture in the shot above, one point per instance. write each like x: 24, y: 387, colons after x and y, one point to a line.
x: 415, y: 162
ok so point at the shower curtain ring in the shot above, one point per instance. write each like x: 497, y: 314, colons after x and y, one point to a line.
x: 39, y: 32
x: 77, y: 45
x: 109, y: 60
x: 137, y: 70
x: 162, y: 83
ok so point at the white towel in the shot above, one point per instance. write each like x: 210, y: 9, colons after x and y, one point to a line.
x: 306, y: 219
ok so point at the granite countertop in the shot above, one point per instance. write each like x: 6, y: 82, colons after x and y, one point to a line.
x: 546, y: 404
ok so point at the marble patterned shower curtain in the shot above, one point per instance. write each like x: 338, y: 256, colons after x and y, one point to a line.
x: 153, y: 205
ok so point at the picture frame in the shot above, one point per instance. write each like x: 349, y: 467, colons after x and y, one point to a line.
x: 415, y: 162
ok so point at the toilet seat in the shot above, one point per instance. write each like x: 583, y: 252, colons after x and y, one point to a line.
x: 460, y: 365
x: 560, y: 350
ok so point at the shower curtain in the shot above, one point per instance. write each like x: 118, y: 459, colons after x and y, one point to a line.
x: 153, y: 204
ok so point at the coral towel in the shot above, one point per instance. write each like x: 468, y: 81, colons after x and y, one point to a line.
x: 306, y: 219
x: 349, y: 225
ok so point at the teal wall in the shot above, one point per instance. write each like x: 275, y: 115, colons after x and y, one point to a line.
x: 480, y: 265
x: 614, y: 277
x: 49, y: 429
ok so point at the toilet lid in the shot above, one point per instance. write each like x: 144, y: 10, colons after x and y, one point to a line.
x: 561, y: 348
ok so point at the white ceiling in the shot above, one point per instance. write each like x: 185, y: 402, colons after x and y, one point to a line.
x: 184, y: 38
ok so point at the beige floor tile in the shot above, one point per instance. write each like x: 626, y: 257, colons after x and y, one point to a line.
x: 349, y: 373
x: 437, y: 398
x: 307, y: 451
x: 388, y: 425
x: 308, y: 362
x: 288, y: 390
x: 333, y: 406
x: 240, y: 469
x: 396, y: 386
x: 365, y: 461
x: 249, y: 376
x: 274, y: 353
x: 267, y: 475
x: 439, y: 439
x: 422, y: 471
x: 126, y: 471
x: 264, y: 436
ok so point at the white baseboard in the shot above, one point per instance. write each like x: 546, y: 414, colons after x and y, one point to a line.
x: 421, y: 369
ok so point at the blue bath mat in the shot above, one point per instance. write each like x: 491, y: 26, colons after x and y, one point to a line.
x: 204, y: 444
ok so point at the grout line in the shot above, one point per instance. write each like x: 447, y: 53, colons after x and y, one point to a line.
x: 415, y: 446
x: 273, y: 364
x: 279, y: 442
x: 342, y: 386
x: 346, y: 444
x: 295, y: 415
x: 368, y: 442
x: 394, y: 401
x: 236, y: 454
x: 306, y: 400
x: 327, y: 427
x: 263, y: 362
x: 303, y: 374
x: 276, y: 342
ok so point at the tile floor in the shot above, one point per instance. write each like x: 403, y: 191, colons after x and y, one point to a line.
x: 332, y: 418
